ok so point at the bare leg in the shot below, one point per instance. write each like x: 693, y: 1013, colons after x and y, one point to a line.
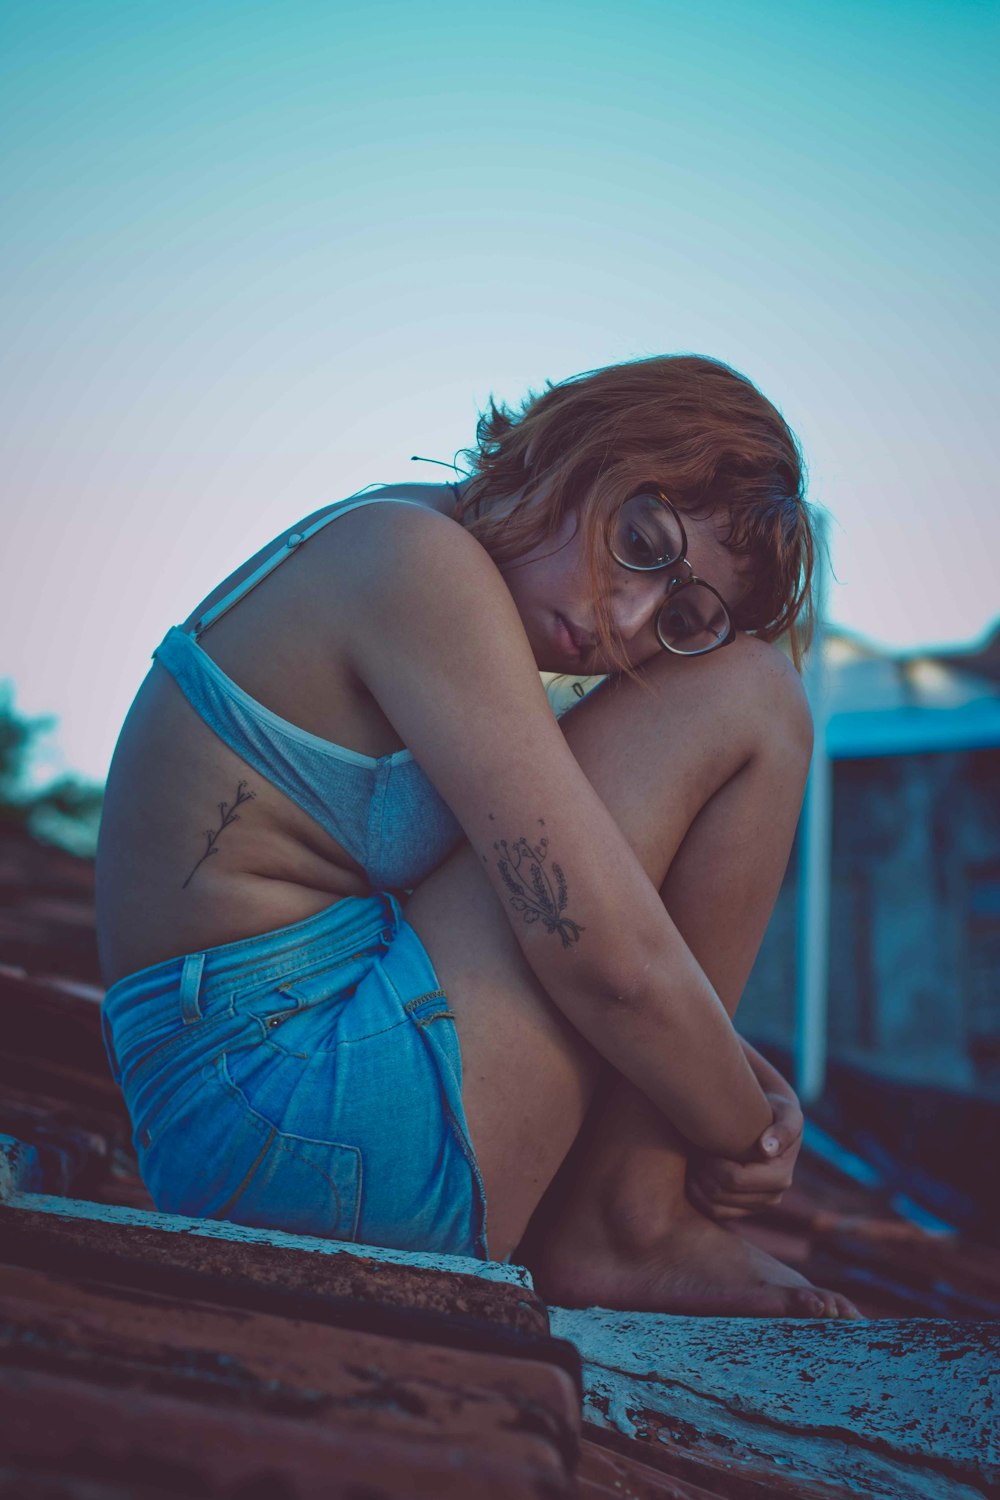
x: 703, y: 770
x: 615, y: 1227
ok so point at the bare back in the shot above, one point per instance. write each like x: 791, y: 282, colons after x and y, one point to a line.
x: 174, y: 784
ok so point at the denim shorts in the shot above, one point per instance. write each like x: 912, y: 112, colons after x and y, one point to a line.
x: 308, y: 1080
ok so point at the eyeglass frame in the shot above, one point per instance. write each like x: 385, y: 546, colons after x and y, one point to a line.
x: 676, y: 584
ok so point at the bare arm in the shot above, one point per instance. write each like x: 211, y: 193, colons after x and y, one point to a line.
x: 588, y: 919
x: 729, y: 1189
x: 766, y: 1074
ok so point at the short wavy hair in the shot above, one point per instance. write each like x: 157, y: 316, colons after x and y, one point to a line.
x: 694, y: 427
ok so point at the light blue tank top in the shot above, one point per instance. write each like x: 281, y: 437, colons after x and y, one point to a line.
x: 383, y: 810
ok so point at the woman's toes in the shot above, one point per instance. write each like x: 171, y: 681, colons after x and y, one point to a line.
x: 807, y: 1302
x: 846, y: 1307
x: 835, y: 1304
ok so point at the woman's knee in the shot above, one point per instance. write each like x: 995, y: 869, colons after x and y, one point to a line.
x: 774, y: 695
x: 747, y: 697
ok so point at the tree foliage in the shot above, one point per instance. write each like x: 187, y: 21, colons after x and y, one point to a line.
x: 66, y: 811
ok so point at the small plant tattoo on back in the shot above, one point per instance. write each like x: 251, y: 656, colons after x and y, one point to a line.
x: 227, y: 815
x: 533, y: 893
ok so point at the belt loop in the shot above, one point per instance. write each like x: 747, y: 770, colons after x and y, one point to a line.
x: 190, y: 985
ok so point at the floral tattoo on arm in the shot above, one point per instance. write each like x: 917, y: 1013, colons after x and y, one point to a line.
x: 539, y: 894
x: 227, y: 815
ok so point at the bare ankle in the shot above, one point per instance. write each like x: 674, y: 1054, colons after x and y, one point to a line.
x: 629, y: 1206
x: 638, y: 1220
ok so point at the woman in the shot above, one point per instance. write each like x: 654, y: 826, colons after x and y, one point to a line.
x: 354, y: 719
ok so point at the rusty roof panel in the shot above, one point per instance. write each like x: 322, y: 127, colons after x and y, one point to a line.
x: 29, y: 1004
x: 687, y: 1469
x: 47, y: 908
x: 347, y: 1287
x: 602, y: 1473
x: 288, y: 1366
x: 136, y: 1443
x: 851, y: 1239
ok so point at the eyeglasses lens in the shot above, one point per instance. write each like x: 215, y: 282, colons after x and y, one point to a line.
x: 646, y: 534
x: 692, y: 620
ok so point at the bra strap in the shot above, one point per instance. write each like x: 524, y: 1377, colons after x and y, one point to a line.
x: 290, y: 544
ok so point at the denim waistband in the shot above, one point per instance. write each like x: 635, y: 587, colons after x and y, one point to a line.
x: 196, y: 979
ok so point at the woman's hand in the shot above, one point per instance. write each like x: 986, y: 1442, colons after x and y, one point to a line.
x: 723, y: 1189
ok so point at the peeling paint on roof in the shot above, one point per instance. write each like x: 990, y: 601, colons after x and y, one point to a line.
x: 891, y: 1409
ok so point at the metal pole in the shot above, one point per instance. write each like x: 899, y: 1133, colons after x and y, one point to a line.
x: 815, y: 843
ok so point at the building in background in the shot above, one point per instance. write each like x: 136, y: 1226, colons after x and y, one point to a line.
x: 914, y: 960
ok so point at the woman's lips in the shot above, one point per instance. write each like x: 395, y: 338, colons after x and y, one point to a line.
x: 579, y: 641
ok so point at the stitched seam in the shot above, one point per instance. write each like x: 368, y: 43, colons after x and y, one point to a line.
x: 163, y: 1051
x: 220, y: 1212
x: 165, y: 1114
x: 295, y: 962
x: 420, y: 999
x: 461, y: 1137
x: 468, y: 1151
x: 234, y: 1088
x: 269, y: 976
x: 275, y: 1143
x: 167, y: 974
x: 293, y: 973
x: 376, y: 815
x: 349, y: 1041
x: 259, y: 1123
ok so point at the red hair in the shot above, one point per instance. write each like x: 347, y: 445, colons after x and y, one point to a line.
x: 693, y: 427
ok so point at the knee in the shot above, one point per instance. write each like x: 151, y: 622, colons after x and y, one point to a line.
x: 751, y: 690
x: 778, y: 701
x: 747, y: 700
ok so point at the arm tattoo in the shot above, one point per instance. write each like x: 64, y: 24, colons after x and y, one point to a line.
x: 533, y: 893
x: 227, y: 815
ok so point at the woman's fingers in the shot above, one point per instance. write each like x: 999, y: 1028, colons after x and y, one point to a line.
x: 711, y: 1209
x: 719, y: 1176
x: 763, y: 1177
x: 749, y: 1202
x: 785, y: 1131
x: 731, y: 1189
x: 730, y: 1205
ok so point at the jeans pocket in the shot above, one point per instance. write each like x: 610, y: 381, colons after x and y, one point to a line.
x: 211, y: 1155
x: 307, y: 1014
x: 282, y: 1172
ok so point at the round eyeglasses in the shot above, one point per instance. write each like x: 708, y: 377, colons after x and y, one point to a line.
x: 646, y: 535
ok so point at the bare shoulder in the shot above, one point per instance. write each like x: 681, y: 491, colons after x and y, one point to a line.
x: 391, y: 535
x: 426, y: 565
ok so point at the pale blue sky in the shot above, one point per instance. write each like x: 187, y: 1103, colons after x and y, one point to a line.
x: 257, y: 254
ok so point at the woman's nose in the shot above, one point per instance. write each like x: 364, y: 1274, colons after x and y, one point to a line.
x: 636, y: 604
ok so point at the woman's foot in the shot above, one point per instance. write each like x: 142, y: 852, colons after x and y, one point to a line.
x: 694, y: 1268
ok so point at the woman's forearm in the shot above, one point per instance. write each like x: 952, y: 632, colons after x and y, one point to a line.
x: 706, y: 1085
x: 766, y: 1074
x: 667, y: 1031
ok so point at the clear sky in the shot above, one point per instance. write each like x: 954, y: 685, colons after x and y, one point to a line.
x: 257, y: 254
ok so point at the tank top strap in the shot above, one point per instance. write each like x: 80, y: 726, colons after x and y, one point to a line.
x: 288, y: 546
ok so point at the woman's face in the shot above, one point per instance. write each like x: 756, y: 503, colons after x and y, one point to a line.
x: 552, y: 590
